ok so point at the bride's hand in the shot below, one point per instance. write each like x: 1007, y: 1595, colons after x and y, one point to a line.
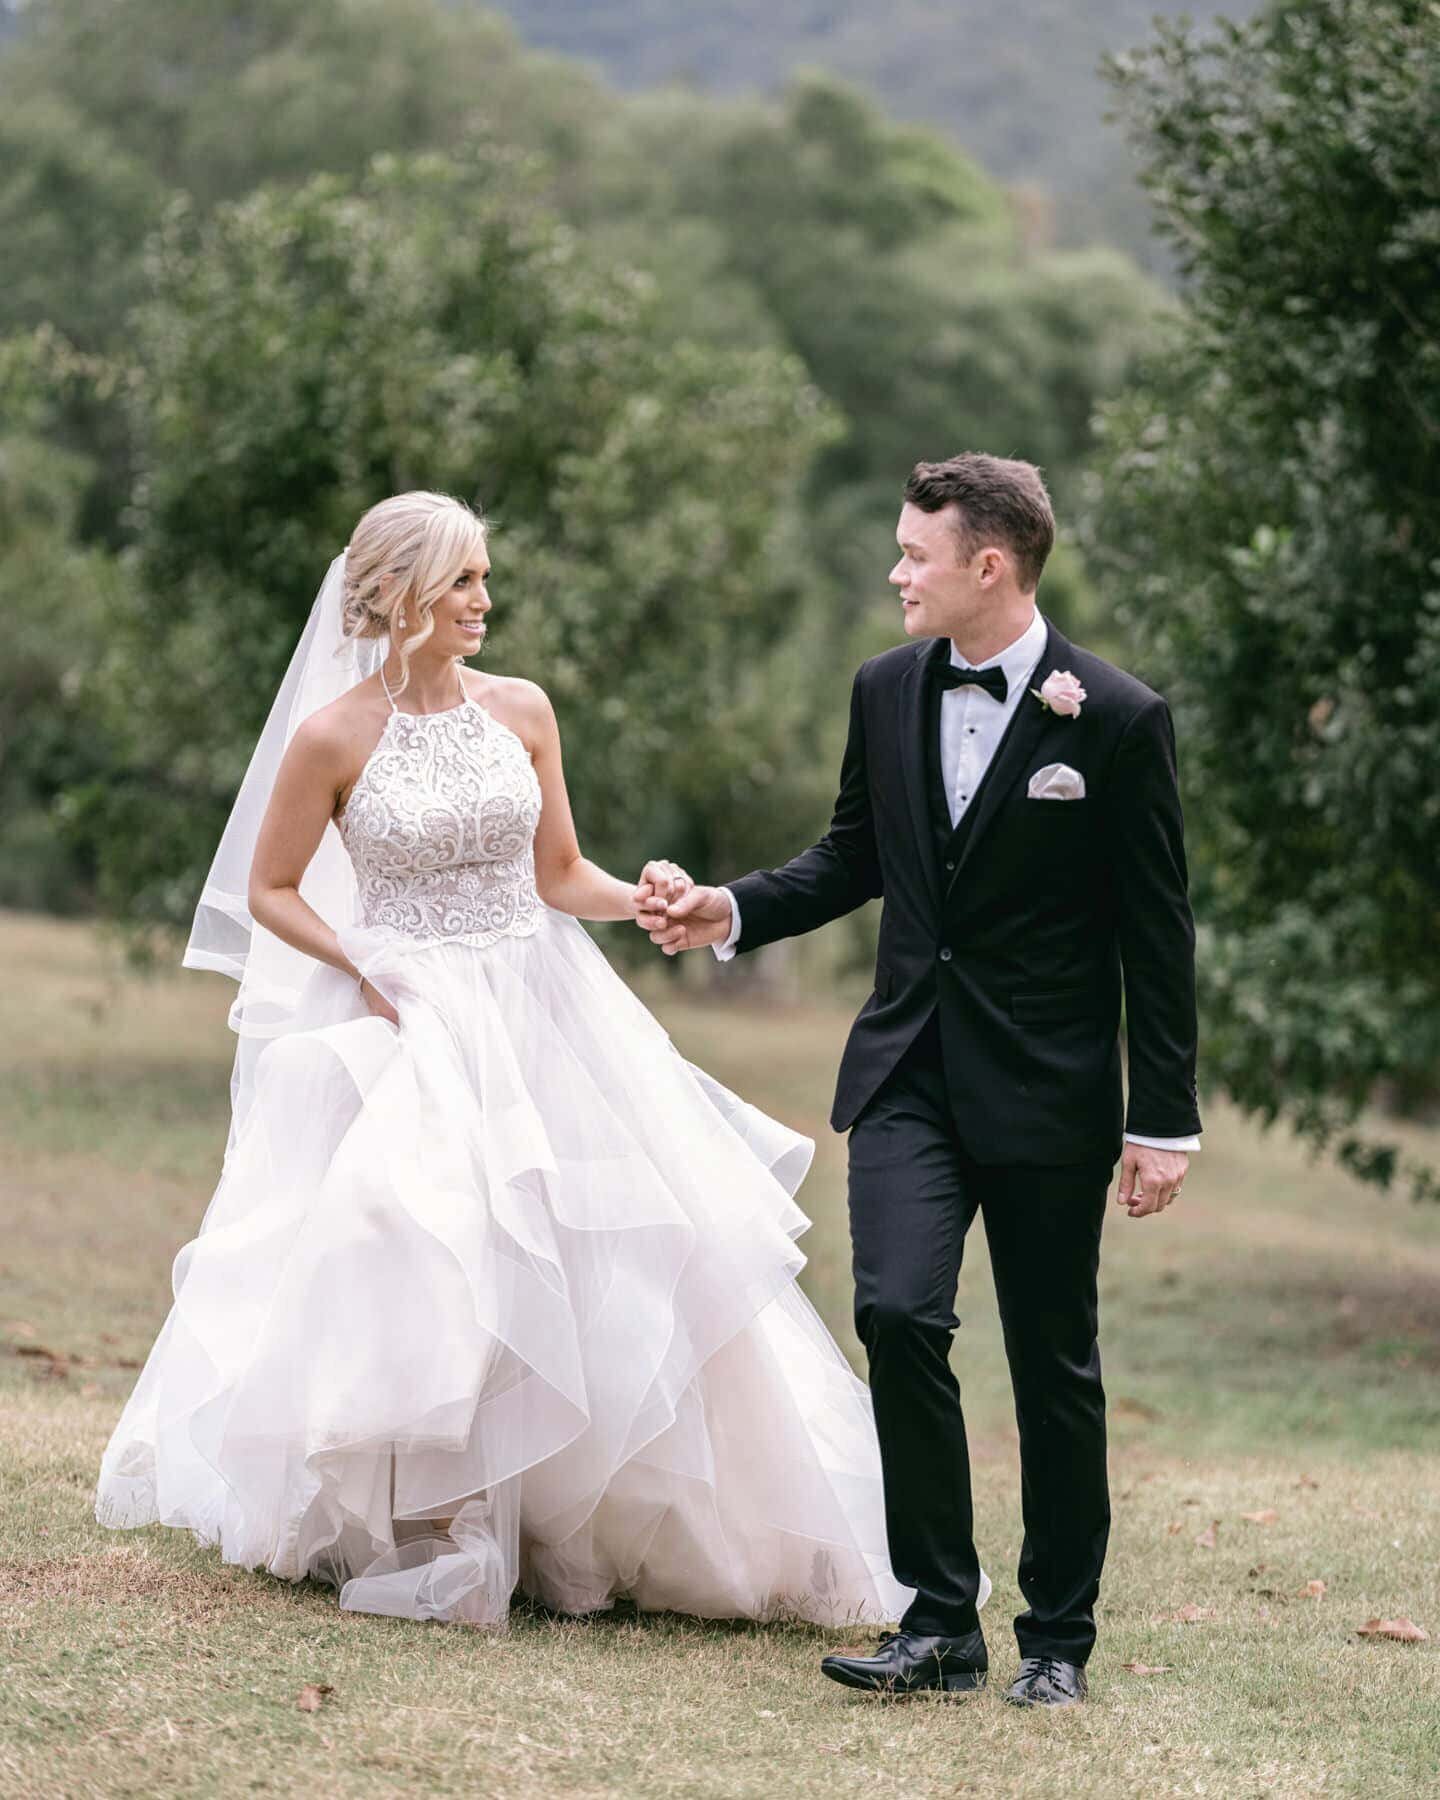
x: 660, y: 882
x: 377, y: 1003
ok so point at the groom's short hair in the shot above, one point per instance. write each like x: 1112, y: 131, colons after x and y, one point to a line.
x: 996, y: 500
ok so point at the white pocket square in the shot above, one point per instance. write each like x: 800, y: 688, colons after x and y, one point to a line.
x: 1057, y: 781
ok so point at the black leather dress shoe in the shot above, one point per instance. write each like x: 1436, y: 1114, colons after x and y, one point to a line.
x: 1047, y: 1681
x: 906, y: 1663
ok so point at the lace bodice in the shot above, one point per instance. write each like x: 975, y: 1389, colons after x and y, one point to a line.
x: 440, y: 827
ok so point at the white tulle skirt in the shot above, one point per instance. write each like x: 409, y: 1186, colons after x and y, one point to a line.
x: 506, y: 1299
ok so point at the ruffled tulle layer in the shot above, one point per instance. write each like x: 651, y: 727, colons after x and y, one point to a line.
x: 506, y: 1299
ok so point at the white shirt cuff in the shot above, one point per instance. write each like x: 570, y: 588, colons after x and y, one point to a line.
x: 724, y: 952
x: 1190, y: 1143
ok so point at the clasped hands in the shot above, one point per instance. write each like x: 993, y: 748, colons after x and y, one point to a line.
x: 676, y: 913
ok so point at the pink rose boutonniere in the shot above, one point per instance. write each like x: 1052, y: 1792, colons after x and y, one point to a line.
x: 1060, y: 692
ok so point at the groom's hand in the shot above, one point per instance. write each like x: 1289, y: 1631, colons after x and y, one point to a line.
x: 700, y: 917
x: 1150, y: 1179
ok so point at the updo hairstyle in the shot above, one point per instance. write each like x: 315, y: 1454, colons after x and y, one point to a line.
x: 402, y: 556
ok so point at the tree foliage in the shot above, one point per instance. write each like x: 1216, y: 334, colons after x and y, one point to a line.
x: 691, y: 400
x: 56, y: 594
x: 1265, y: 515
x: 305, y: 354
x: 894, y: 267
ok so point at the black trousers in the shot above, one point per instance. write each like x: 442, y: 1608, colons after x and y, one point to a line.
x: 913, y: 1194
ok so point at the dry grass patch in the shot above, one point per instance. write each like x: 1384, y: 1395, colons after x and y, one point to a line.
x: 121, y: 1576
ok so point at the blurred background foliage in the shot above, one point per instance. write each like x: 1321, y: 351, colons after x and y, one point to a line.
x: 278, y: 262
x: 1264, y: 517
x: 683, y: 342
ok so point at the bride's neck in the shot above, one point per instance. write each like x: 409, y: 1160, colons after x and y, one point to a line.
x: 435, y: 682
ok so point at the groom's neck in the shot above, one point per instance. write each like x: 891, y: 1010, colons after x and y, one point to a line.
x: 981, y: 639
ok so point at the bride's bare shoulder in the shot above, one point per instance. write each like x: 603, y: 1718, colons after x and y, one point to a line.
x: 522, y: 705
x: 335, y: 734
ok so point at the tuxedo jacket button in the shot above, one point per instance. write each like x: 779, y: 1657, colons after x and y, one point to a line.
x: 945, y: 954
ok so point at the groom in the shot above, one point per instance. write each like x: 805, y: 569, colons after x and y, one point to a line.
x: 1013, y: 800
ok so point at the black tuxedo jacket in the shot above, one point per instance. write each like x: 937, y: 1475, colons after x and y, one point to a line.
x: 1016, y: 925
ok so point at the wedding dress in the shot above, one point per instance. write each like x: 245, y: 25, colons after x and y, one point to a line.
x: 505, y: 1298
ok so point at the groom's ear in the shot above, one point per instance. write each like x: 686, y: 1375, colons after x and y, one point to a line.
x: 990, y: 563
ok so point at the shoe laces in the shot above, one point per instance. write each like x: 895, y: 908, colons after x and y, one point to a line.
x: 1048, y: 1666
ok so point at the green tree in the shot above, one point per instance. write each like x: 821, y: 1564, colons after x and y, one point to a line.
x: 109, y: 108
x: 1265, y: 515
x: 55, y: 598
x: 763, y: 236
x: 307, y: 353
x: 895, y: 267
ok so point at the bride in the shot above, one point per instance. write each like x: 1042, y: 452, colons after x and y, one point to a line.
x: 495, y: 1291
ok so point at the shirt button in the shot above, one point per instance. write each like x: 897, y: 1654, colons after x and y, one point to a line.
x: 949, y: 866
x: 945, y: 954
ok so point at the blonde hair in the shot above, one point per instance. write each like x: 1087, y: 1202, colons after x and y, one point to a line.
x: 402, y: 556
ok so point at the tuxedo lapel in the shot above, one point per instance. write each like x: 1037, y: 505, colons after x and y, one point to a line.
x: 911, y: 724
x: 1013, y: 751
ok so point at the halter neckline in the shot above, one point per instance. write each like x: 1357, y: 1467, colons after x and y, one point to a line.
x: 441, y: 713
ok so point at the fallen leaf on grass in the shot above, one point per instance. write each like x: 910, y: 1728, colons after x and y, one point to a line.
x: 1127, y: 1408
x: 1312, y: 1590
x: 1207, y: 1539
x: 1257, y: 1571
x: 1401, y: 1631
x: 313, y: 1695
x: 1174, y: 1528
x: 1267, y: 1515
x: 1307, y: 1481
x: 1189, y: 1614
x: 1140, y: 1668
x: 46, y: 1365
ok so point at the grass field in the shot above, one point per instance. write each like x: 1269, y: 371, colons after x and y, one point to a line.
x: 1274, y: 1347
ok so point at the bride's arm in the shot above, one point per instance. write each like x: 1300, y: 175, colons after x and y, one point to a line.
x: 567, y: 881
x: 315, y: 771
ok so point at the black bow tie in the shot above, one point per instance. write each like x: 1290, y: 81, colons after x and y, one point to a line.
x: 992, y: 680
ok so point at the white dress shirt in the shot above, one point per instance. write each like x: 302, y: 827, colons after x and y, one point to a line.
x: 972, y: 723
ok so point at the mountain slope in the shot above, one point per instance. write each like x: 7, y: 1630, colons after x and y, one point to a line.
x: 1013, y: 81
